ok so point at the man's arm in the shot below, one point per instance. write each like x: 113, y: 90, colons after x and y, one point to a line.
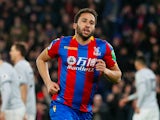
x: 132, y: 97
x: 42, y: 66
x: 23, y: 90
x: 129, y: 98
x: 20, y: 75
x: 113, y: 74
x: 141, y: 93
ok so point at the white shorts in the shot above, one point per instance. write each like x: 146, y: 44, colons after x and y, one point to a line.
x: 30, y: 117
x: 15, y: 114
x: 147, y: 114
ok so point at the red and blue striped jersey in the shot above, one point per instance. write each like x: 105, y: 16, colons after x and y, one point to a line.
x: 77, y: 76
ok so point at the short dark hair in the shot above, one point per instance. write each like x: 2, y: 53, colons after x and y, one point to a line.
x: 20, y: 47
x: 141, y: 59
x: 85, y: 10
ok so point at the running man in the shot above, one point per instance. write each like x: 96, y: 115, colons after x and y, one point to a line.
x: 81, y: 59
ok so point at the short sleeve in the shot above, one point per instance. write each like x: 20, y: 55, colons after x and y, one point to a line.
x: 109, y: 57
x: 53, y: 48
x: 4, y: 78
x: 21, y: 73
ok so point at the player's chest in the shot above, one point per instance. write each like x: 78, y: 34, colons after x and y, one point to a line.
x: 81, y: 55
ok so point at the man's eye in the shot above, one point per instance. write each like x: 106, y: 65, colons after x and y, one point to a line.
x: 92, y: 23
x: 84, y: 20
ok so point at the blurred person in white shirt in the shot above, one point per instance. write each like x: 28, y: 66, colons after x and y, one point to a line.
x: 146, y: 107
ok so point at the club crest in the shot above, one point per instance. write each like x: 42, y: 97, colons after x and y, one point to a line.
x: 96, y: 51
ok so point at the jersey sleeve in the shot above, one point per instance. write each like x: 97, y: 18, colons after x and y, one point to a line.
x: 4, y: 78
x: 5, y: 88
x: 21, y: 74
x: 53, y: 48
x: 109, y: 57
x: 5, y: 93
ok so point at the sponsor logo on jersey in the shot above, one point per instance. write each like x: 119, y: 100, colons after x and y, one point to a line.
x: 81, y: 63
x: 70, y: 48
x: 4, y: 77
x: 71, y: 60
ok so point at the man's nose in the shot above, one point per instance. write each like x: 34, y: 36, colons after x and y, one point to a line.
x: 87, y: 24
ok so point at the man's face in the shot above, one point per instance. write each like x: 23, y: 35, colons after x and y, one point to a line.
x: 136, y: 64
x: 86, y: 25
x: 13, y: 53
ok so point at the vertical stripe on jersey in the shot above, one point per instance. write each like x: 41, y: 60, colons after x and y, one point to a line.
x: 88, y: 85
x: 53, y: 50
x: 80, y: 78
x: 54, y: 97
x: 71, y: 76
x: 62, y: 70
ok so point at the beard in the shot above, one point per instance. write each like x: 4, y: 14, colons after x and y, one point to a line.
x: 79, y: 32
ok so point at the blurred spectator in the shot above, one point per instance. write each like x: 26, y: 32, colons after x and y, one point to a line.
x: 27, y: 82
x: 42, y: 107
x: 100, y: 110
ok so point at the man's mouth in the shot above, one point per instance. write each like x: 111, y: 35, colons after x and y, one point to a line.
x: 86, y: 31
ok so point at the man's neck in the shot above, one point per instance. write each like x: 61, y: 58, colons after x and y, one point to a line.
x: 141, y: 67
x: 18, y: 59
x: 1, y: 61
x: 81, y: 41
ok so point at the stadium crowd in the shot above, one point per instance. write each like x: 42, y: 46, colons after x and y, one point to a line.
x: 132, y: 27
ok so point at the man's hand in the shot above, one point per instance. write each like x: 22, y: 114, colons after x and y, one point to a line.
x: 123, y: 102
x: 137, y: 110
x: 113, y: 74
x: 2, y: 116
x: 100, y: 65
x: 52, y: 88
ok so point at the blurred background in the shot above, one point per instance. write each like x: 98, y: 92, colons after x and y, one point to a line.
x: 131, y: 26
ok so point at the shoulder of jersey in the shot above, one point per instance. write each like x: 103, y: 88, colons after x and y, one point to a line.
x: 8, y: 65
x: 101, y: 41
x: 65, y: 38
x: 22, y: 63
x: 6, y: 76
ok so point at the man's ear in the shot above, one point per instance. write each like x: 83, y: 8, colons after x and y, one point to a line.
x: 74, y: 25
